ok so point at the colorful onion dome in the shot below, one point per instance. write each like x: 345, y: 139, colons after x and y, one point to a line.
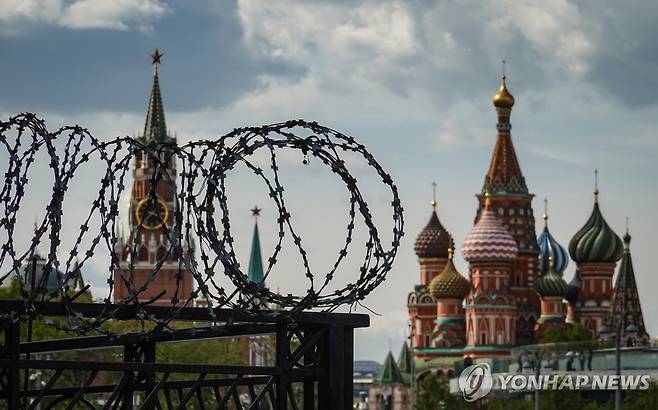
x: 550, y: 248
x: 596, y: 241
x: 551, y: 283
x: 489, y: 240
x: 503, y: 98
x: 449, y: 284
x: 573, y: 290
x: 434, y: 240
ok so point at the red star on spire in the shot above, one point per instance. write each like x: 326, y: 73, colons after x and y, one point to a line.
x: 156, y: 56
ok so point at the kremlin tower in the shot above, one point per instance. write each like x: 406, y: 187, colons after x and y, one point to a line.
x: 147, y: 262
x: 595, y: 248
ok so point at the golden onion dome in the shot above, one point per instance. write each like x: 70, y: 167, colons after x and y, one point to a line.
x: 449, y: 284
x: 503, y: 98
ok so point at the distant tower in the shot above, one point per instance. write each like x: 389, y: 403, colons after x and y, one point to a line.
x: 147, y: 243
x: 431, y: 247
x: 389, y: 391
x: 258, y: 346
x: 595, y: 248
x: 490, y: 307
x: 255, y: 271
x: 512, y: 204
x: 449, y: 289
x: 626, y: 299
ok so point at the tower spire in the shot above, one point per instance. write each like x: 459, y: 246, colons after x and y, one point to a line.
x: 546, y: 212
x: 255, y: 272
x: 155, y: 128
x: 504, y: 173
x: 434, y: 196
x: 626, y: 299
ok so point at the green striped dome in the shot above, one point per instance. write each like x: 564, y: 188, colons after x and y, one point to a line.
x: 596, y: 241
x: 551, y: 284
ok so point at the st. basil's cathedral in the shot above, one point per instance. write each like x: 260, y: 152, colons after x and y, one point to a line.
x: 514, y: 288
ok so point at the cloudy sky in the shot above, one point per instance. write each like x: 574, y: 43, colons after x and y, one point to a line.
x: 411, y: 80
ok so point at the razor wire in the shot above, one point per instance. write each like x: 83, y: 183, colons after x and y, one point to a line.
x: 198, y: 235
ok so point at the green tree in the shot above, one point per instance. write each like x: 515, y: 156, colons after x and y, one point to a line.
x: 433, y: 393
x: 642, y: 399
x: 573, y: 333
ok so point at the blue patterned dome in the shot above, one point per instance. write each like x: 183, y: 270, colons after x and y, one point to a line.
x: 550, y: 248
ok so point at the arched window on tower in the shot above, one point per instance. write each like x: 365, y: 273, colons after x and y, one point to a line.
x: 143, y: 255
x: 484, y: 328
x: 161, y: 253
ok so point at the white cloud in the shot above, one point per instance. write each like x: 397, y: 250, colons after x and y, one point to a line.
x: 42, y: 10
x: 554, y: 27
x: 112, y: 14
x: 85, y: 14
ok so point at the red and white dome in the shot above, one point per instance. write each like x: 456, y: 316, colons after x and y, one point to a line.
x: 489, y: 240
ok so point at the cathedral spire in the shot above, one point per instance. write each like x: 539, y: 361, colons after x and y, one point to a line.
x: 155, y: 128
x: 255, y: 272
x: 504, y: 175
x: 626, y: 298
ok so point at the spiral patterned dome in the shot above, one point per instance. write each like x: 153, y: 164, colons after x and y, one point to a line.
x: 551, y: 284
x: 434, y: 240
x: 550, y: 248
x: 573, y: 289
x: 489, y: 240
x: 596, y: 241
x: 449, y: 284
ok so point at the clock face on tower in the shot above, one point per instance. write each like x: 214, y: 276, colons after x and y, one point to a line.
x: 151, y: 213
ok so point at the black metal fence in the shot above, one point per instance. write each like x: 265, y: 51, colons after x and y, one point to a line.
x: 313, y: 364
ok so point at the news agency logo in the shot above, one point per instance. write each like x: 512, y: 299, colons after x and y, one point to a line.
x: 475, y: 381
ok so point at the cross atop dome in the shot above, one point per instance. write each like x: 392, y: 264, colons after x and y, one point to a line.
x: 503, y: 98
x: 434, y: 195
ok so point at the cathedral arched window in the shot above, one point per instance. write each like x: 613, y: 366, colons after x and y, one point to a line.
x: 511, y: 211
